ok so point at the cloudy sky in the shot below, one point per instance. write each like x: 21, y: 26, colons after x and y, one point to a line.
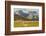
x: 26, y: 10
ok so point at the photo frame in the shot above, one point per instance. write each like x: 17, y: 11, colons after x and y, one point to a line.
x: 24, y: 17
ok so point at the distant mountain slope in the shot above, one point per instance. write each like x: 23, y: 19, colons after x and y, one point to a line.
x: 25, y: 14
x: 17, y: 17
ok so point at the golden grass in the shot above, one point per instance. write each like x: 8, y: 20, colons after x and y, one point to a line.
x: 26, y: 23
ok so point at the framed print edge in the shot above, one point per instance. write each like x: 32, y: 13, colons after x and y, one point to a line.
x: 8, y: 17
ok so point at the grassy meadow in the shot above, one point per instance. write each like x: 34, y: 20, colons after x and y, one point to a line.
x: 19, y: 23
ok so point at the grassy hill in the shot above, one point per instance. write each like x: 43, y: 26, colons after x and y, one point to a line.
x: 17, y: 17
x: 24, y: 22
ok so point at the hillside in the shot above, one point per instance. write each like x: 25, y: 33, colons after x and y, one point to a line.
x: 17, y: 17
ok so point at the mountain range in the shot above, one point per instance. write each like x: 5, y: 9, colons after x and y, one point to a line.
x: 28, y: 15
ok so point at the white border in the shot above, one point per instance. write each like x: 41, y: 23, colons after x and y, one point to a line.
x: 25, y: 28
